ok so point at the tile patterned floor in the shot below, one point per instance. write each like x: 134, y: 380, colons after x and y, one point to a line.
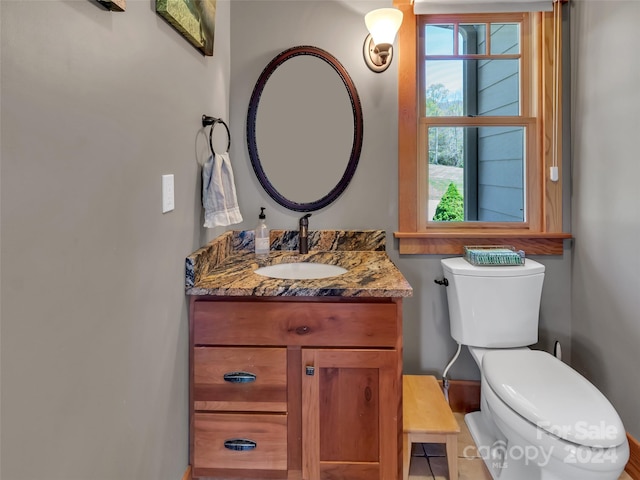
x: 429, y: 461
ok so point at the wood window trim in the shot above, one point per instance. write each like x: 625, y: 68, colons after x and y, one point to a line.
x: 543, y: 234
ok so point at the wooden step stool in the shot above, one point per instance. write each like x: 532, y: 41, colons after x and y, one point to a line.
x: 427, y: 418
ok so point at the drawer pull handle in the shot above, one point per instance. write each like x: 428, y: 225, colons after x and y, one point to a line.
x: 239, y: 377
x: 240, y: 444
x: 309, y: 371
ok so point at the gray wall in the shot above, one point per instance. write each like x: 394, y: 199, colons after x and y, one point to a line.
x: 96, y: 106
x: 606, y: 201
x: 259, y: 31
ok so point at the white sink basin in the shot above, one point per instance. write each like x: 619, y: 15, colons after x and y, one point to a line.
x: 301, y: 271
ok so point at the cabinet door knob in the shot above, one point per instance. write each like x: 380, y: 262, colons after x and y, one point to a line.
x: 310, y: 370
x: 239, y: 377
x: 240, y: 444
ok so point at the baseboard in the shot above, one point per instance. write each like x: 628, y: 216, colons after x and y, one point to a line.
x: 464, y: 395
x: 187, y: 473
x: 633, y: 465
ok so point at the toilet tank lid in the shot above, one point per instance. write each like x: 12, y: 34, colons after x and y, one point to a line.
x: 459, y: 266
x: 553, y: 396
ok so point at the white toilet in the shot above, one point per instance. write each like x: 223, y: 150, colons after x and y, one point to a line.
x: 539, y: 419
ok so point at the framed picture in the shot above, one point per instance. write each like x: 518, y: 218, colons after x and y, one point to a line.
x: 194, y: 19
x: 114, y: 5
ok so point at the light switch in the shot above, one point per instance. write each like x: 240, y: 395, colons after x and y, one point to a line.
x: 168, y: 197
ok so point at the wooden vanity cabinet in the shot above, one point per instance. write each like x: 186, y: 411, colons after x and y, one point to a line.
x: 317, y: 396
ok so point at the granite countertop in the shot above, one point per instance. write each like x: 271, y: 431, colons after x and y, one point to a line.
x: 225, y: 266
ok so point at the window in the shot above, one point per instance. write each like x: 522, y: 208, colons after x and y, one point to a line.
x: 472, y: 127
x: 476, y: 132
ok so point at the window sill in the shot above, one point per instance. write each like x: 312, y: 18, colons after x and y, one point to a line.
x: 452, y: 242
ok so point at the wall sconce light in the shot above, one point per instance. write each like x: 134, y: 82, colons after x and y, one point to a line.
x: 383, y: 24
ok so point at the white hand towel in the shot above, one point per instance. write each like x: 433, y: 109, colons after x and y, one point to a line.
x: 219, y: 192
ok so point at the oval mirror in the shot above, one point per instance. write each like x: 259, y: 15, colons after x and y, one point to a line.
x: 304, y: 128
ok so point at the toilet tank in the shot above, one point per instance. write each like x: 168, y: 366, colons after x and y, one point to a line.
x: 493, y: 306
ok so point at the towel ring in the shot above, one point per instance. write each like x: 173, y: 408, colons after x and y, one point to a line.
x: 212, y: 121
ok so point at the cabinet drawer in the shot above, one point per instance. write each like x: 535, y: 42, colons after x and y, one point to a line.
x: 295, y: 323
x: 269, y: 432
x: 261, y: 383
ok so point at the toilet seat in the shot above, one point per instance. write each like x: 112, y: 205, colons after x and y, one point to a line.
x: 552, y: 396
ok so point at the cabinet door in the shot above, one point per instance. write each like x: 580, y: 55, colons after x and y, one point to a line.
x: 350, y: 405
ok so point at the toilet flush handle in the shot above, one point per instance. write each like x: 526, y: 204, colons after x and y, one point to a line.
x: 444, y: 282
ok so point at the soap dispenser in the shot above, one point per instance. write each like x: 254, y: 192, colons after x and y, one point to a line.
x: 262, y: 234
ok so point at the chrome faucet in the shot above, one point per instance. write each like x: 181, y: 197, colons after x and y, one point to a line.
x: 303, y: 235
